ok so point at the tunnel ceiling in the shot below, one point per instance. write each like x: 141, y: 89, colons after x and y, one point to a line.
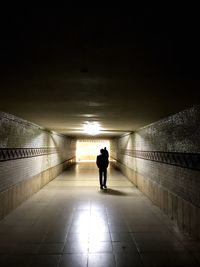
x: 124, y: 68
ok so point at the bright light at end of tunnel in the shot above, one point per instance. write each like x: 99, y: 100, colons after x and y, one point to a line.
x: 92, y: 128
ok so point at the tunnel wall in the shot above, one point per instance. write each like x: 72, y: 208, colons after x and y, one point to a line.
x: 163, y: 161
x: 30, y: 157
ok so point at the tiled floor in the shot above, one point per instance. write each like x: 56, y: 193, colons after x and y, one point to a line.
x: 71, y: 222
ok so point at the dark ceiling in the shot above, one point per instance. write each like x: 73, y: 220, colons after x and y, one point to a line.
x: 124, y: 68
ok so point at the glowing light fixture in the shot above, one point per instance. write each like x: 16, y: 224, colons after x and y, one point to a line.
x: 91, y: 128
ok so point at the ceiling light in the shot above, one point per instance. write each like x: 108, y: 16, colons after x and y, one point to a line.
x: 91, y: 128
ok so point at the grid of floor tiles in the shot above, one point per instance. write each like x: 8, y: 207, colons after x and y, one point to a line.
x: 71, y: 222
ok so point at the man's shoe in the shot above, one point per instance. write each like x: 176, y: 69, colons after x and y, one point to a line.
x: 105, y: 186
x: 101, y: 187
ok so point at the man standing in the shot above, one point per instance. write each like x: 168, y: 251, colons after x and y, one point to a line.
x: 102, y: 163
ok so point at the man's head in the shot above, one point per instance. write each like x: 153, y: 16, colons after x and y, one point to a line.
x: 102, y: 151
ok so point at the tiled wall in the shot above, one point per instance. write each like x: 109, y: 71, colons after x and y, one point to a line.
x: 163, y: 160
x: 29, y: 158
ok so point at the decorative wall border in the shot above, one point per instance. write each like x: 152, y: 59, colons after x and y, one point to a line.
x: 184, y: 160
x: 20, y: 153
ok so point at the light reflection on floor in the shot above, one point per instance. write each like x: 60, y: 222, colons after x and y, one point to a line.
x: 71, y: 222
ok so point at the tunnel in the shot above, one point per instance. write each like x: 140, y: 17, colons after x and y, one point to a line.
x: 75, y: 81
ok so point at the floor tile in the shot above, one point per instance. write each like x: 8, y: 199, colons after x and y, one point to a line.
x: 100, y: 247
x: 74, y: 247
x: 71, y: 222
x: 121, y: 236
x: 99, y: 236
x: 101, y: 260
x: 44, y: 260
x: 128, y: 260
x: 75, y: 237
x: 73, y: 260
x: 168, y: 259
x: 124, y: 247
x: 52, y: 248
x: 159, y: 246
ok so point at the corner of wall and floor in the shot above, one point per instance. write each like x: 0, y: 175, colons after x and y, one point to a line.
x: 163, y: 161
x: 30, y: 157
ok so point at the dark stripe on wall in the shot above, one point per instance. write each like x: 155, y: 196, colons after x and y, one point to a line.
x: 184, y: 160
x: 20, y: 153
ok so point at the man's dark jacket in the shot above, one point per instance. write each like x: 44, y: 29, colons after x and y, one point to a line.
x: 102, y: 161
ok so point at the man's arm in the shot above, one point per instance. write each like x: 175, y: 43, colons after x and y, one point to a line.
x: 97, y: 161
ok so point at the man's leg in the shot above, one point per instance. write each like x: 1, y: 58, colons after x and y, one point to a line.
x: 105, y: 178
x: 100, y: 178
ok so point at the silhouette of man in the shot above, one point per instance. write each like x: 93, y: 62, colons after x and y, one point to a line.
x: 102, y: 163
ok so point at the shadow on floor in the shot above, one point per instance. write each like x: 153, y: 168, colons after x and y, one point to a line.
x: 110, y: 191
